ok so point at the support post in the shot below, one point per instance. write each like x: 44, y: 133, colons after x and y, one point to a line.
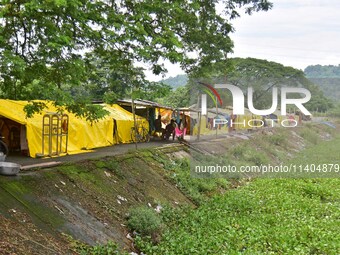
x: 216, y: 116
x: 199, y: 113
x: 134, y: 117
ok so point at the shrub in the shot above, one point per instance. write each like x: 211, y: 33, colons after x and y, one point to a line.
x: 206, y: 185
x: 108, y: 249
x: 335, y: 112
x: 112, y: 164
x: 278, y: 139
x: 257, y: 158
x: 238, y: 151
x: 144, y: 220
x: 310, y: 136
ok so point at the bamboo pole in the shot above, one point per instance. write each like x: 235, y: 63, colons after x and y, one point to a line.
x: 216, y: 116
x: 134, y: 116
x: 199, y: 125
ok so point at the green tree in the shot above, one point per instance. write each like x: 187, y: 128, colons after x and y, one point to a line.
x: 111, y: 82
x: 327, y: 78
x: 319, y: 71
x: 180, y: 97
x: 49, y: 46
x: 260, y: 74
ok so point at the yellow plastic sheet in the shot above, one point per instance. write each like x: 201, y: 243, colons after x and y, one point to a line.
x: 82, y: 134
x: 124, y: 123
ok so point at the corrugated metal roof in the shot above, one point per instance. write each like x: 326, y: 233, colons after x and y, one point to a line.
x: 141, y: 102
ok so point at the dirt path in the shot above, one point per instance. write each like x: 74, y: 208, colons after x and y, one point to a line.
x: 91, y: 154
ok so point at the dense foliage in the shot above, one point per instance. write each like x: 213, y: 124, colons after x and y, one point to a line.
x: 266, y: 217
x: 56, y: 49
x: 335, y: 112
x: 319, y: 71
x: 144, y: 220
x: 260, y: 74
x: 327, y: 78
x: 180, y: 97
x: 109, y: 249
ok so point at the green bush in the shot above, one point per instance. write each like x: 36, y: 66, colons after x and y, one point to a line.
x: 238, y: 151
x: 310, y: 136
x: 112, y: 164
x: 257, y: 158
x: 144, y: 221
x: 335, y: 112
x: 278, y: 139
x: 108, y: 249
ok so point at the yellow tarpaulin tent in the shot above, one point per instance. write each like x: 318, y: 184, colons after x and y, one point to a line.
x: 82, y: 134
x: 124, y: 122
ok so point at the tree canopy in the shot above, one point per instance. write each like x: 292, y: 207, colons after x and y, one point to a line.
x: 319, y: 71
x: 328, y: 79
x: 260, y: 74
x: 53, y: 49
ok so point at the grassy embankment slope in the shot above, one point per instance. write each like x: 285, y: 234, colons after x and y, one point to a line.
x: 55, y: 211
x: 89, y: 201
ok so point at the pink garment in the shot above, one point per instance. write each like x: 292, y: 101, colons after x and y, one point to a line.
x: 179, y: 132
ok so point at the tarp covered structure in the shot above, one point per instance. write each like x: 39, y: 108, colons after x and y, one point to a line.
x: 124, y: 122
x: 82, y: 134
x: 246, y: 121
x: 148, y: 109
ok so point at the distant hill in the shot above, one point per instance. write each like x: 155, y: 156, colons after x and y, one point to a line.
x: 177, y: 81
x: 327, y: 78
x: 319, y: 71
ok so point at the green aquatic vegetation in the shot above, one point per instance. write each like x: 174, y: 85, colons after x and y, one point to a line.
x: 265, y: 217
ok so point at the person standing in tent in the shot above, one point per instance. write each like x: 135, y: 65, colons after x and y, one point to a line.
x: 177, y: 116
x: 181, y: 128
x: 158, y: 124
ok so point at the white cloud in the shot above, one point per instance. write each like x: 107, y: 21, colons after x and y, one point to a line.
x: 295, y: 33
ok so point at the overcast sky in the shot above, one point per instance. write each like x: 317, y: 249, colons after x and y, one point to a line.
x: 295, y: 33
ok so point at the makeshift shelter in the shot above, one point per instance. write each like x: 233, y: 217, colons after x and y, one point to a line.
x: 149, y: 110
x: 274, y: 118
x: 246, y: 121
x: 123, y: 123
x: 50, y: 133
x: 191, y: 118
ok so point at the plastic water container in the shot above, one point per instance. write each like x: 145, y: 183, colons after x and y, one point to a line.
x: 8, y: 168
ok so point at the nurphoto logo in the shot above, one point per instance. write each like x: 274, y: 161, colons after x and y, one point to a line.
x: 238, y: 103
